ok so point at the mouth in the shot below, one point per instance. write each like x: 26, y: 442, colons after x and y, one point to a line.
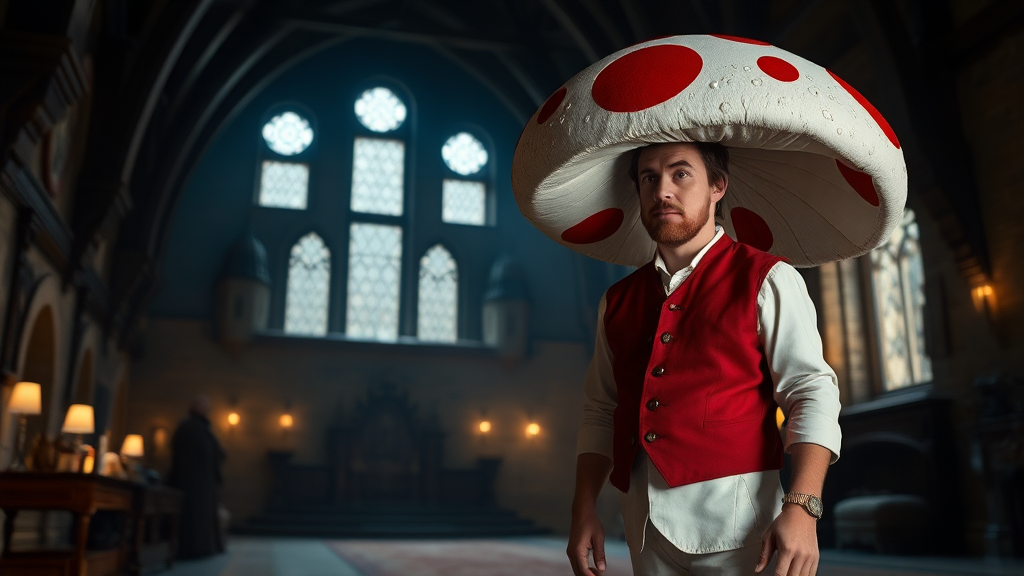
x: 664, y: 213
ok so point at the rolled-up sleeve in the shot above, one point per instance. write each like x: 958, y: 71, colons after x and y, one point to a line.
x: 806, y: 387
x: 600, y: 397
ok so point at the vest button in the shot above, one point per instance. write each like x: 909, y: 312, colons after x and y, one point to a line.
x: 653, y: 404
x: 674, y: 307
x: 658, y: 371
x: 632, y: 440
x: 666, y: 337
x: 650, y: 437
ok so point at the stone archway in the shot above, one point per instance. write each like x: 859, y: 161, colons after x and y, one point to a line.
x: 38, y: 365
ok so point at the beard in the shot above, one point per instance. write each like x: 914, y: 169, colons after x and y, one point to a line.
x: 673, y: 233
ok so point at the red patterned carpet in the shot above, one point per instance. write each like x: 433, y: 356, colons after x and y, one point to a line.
x: 461, y: 558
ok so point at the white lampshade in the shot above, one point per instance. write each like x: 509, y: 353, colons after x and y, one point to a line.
x: 26, y: 399
x: 132, y: 446
x: 79, y: 420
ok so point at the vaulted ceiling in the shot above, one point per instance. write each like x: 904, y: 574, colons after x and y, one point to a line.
x: 170, y: 73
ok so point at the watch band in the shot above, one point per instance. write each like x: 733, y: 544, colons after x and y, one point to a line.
x: 809, y: 502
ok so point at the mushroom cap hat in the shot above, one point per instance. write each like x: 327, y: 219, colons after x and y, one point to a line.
x: 816, y: 174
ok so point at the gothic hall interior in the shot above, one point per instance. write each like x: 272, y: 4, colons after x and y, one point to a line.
x: 276, y: 243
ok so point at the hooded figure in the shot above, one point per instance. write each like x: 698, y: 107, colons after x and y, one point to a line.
x: 196, y: 471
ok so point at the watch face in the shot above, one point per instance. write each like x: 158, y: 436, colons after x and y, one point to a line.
x: 814, y: 506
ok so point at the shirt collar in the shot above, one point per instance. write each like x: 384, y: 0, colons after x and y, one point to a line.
x: 659, y: 263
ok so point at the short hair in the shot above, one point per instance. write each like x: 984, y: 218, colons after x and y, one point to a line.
x: 714, y: 155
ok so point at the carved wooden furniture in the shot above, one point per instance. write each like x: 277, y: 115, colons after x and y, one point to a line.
x: 156, y: 533
x: 899, y: 444
x: 82, y: 495
x: 147, y: 537
x: 385, y: 455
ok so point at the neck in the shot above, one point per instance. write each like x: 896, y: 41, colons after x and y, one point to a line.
x: 680, y: 256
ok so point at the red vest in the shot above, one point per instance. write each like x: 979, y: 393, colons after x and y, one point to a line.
x: 692, y: 378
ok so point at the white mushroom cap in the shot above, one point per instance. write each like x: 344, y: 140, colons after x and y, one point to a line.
x: 816, y: 174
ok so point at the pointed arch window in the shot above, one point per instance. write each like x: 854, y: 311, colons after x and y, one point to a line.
x: 464, y: 198
x: 284, y: 183
x: 438, y: 296
x: 309, y: 281
x: 897, y: 276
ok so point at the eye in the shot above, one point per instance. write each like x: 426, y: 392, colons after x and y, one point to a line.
x: 681, y: 174
x: 647, y: 178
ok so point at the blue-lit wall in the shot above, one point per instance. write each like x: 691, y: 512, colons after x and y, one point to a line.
x: 218, y: 201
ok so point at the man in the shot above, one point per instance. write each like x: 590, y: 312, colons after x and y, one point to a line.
x: 195, y: 470
x: 693, y: 352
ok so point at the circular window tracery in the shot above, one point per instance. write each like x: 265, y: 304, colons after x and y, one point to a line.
x: 288, y: 133
x: 464, y: 154
x: 380, y: 109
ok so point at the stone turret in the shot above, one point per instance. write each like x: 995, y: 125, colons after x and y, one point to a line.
x: 506, y: 309
x: 243, y: 292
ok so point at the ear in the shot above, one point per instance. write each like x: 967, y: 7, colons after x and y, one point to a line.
x: 718, y: 189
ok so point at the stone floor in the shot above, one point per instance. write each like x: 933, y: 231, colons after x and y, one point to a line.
x: 310, y: 557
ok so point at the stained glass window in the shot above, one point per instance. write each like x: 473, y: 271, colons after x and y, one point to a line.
x: 309, y: 280
x: 464, y: 154
x: 438, y: 296
x: 374, y: 277
x: 378, y: 171
x: 464, y: 202
x: 898, y: 282
x: 380, y: 110
x: 284, y: 185
x: 288, y: 133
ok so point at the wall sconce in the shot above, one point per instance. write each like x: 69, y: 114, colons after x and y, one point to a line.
x: 984, y: 299
x: 234, y: 419
x: 159, y: 439
x: 779, y: 418
x: 485, y: 426
x: 286, y: 421
x: 532, y: 429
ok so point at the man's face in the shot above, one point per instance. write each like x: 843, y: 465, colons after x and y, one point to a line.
x: 675, y: 197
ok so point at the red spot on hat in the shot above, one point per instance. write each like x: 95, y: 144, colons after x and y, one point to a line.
x: 860, y: 182
x: 646, y: 77
x: 751, y: 229
x: 552, y: 104
x: 741, y: 39
x: 778, y: 68
x: 871, y: 109
x: 595, y: 227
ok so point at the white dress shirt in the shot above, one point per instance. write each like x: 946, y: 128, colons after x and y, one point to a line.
x: 734, y: 511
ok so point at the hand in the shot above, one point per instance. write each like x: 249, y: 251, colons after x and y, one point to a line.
x: 586, y: 533
x: 794, y: 535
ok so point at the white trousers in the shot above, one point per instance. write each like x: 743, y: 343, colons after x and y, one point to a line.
x: 661, y: 558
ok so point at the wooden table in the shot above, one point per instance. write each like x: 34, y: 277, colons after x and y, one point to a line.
x: 82, y: 495
x: 156, y: 532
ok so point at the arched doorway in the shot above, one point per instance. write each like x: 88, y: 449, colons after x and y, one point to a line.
x: 38, y: 365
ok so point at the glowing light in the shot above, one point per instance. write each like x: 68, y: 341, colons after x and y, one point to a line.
x: 234, y: 418
x: 984, y: 298
x: 485, y: 426
x: 532, y: 429
x: 286, y: 420
x: 779, y: 418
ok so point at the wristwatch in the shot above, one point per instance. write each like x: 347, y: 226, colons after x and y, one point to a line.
x: 809, y: 502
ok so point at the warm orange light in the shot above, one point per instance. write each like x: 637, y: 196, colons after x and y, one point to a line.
x: 234, y: 418
x: 133, y: 446
x: 159, y: 438
x: 779, y: 418
x: 286, y: 420
x: 485, y: 426
x: 984, y: 298
x: 532, y: 429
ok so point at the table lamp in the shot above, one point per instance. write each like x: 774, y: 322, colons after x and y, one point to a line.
x: 26, y: 400
x: 78, y: 421
x: 132, y: 447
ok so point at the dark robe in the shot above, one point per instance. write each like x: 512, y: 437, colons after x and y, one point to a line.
x: 195, y: 470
